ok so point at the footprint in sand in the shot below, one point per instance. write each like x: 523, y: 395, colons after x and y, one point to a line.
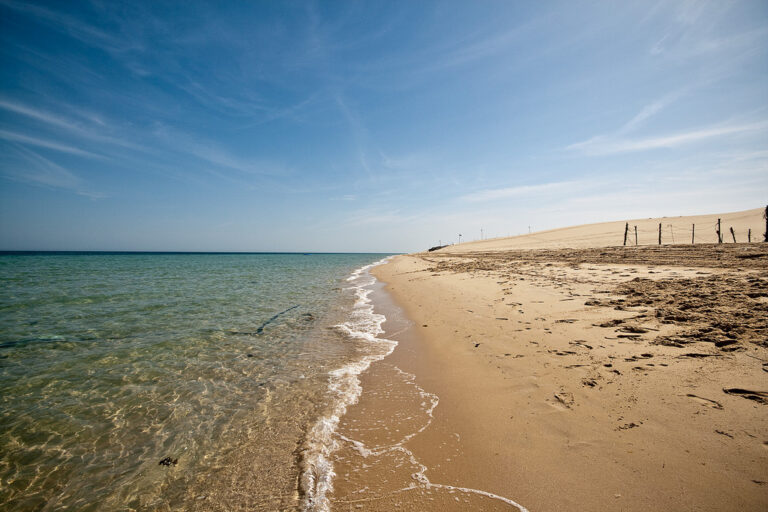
x: 705, y: 401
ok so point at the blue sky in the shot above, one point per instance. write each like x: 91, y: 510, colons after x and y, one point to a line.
x: 371, y: 126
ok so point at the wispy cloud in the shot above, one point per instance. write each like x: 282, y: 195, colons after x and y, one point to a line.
x: 214, y: 154
x: 38, y: 170
x: 608, y: 145
x: 649, y: 111
x: 481, y: 47
x: 693, y: 30
x: 76, y: 28
x: 36, y: 114
x: 47, y: 144
x: 70, y: 127
x: 601, y: 143
x: 359, y: 133
x: 519, y: 191
x: 378, y: 217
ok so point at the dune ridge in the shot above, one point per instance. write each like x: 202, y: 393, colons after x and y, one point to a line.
x: 674, y: 230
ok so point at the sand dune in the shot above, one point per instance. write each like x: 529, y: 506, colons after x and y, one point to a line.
x: 674, y: 230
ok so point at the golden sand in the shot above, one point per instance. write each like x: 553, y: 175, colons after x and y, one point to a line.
x: 623, y: 378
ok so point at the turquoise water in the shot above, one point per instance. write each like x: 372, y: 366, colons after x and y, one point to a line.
x: 218, y: 363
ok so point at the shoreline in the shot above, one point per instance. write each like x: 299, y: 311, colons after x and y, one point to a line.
x: 316, y: 474
x: 382, y: 462
x: 540, y: 404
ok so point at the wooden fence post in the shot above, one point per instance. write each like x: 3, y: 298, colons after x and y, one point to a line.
x: 635, y: 235
x: 626, y: 230
x: 659, y: 233
x: 765, y: 235
x: 749, y: 236
x: 733, y: 235
x: 693, y: 233
x: 719, y: 234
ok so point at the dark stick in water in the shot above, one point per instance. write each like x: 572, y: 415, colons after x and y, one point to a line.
x: 262, y: 326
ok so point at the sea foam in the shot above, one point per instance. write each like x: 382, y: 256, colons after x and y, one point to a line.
x: 316, y: 479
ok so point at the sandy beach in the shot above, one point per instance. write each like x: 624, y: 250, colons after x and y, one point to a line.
x: 569, y: 376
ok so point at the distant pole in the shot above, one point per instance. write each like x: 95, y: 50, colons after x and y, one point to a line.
x: 671, y: 232
x: 635, y: 235
x: 719, y: 234
x: 481, y: 233
x: 626, y: 230
x: 693, y: 233
x: 749, y: 235
x: 529, y: 230
x: 659, y: 233
x: 733, y: 235
x: 459, y: 237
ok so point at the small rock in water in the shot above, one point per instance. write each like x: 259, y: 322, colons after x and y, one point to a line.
x: 168, y: 462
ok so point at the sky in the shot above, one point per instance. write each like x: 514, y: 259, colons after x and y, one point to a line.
x: 370, y: 126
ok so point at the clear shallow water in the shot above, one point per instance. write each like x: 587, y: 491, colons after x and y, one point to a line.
x: 111, y: 363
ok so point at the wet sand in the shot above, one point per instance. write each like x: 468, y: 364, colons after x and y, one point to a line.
x: 618, y: 379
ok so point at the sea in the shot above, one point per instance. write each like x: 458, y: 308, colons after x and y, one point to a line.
x: 154, y: 381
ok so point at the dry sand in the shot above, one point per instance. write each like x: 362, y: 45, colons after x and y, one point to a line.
x: 598, y: 379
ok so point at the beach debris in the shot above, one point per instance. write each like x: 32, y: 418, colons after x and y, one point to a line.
x: 672, y: 341
x: 634, y: 329
x: 168, y: 462
x: 637, y: 358
x: 627, y: 426
x: 260, y: 329
x: 724, y: 433
x: 758, y: 396
x: 273, y: 318
x: 705, y: 401
x: 610, y: 323
x: 565, y: 398
x: 562, y: 352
